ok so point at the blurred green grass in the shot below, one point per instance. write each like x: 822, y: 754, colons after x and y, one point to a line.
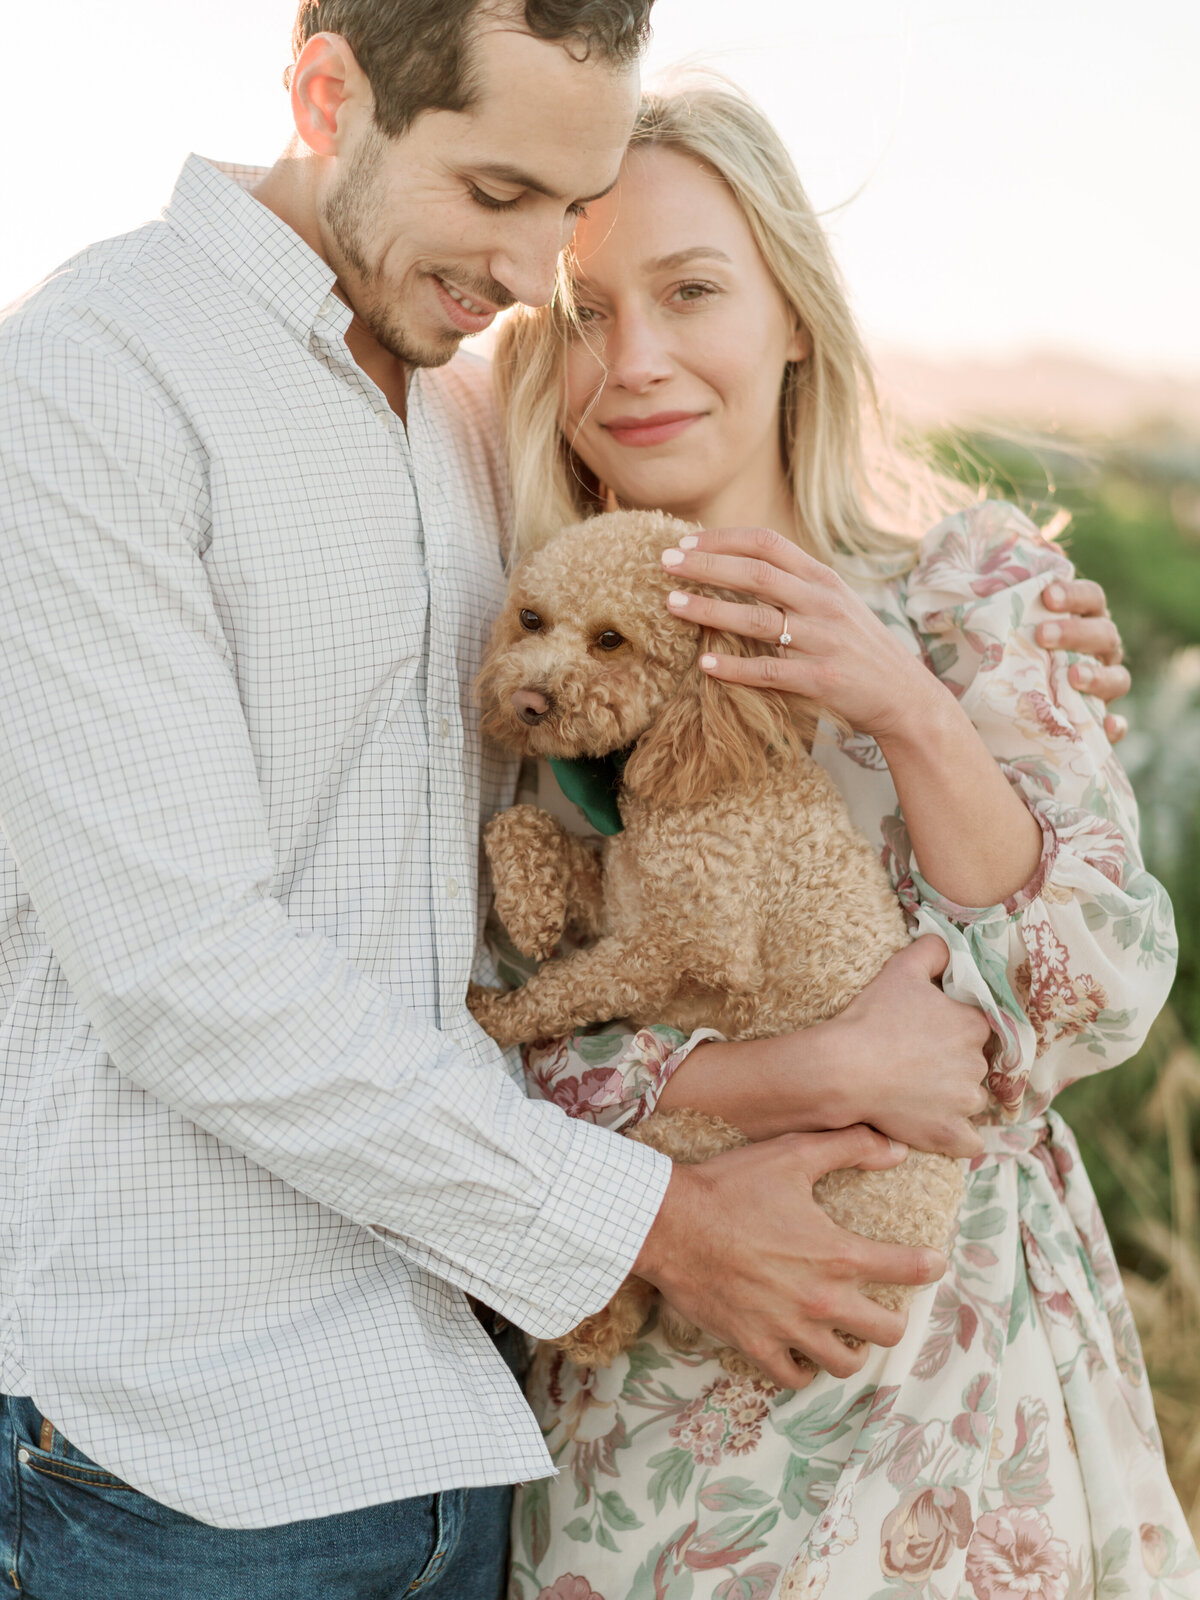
x: 1135, y: 527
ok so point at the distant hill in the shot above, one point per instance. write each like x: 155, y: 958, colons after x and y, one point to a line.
x: 1045, y: 391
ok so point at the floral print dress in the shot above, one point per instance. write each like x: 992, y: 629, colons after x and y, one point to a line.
x: 1007, y: 1448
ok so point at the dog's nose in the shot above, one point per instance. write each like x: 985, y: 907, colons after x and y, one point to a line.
x: 529, y: 705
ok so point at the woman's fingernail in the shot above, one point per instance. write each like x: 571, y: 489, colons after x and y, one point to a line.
x: 672, y: 558
x: 1055, y: 594
x: 898, y: 1149
x: 1083, y: 675
x: 708, y: 662
x: 678, y: 598
x: 1051, y: 632
x: 689, y: 541
x: 1119, y: 728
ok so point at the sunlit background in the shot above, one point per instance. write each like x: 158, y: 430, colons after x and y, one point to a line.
x: 1012, y: 189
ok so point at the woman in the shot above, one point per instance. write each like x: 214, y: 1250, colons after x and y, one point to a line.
x: 1008, y: 1445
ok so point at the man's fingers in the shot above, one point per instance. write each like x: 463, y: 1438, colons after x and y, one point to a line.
x: 1106, y: 683
x: 1079, y: 595
x: 897, y: 1263
x: 1090, y: 636
x: 856, y: 1146
x: 930, y: 953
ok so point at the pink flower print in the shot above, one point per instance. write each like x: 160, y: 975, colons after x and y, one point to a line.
x: 702, y: 1432
x: 1015, y: 1556
x: 1039, y: 713
x: 569, y: 1587
x: 1155, y: 1548
x: 922, y: 1533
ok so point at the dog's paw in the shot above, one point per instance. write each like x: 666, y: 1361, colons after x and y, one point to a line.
x: 525, y: 847
x: 491, y: 1009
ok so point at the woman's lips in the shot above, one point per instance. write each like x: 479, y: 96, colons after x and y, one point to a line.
x: 642, y: 431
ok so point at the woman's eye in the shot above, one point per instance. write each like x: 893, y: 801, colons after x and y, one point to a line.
x: 691, y: 293
x: 585, y: 314
x: 530, y: 621
x: 609, y: 640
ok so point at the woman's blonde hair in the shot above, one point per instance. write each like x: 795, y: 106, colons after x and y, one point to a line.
x: 858, y: 494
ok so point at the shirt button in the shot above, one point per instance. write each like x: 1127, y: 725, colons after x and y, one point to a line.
x: 444, y: 727
x: 452, y: 888
x: 23, y: 1457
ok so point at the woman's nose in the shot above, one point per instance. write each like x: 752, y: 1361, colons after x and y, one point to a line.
x: 529, y: 705
x: 635, y: 358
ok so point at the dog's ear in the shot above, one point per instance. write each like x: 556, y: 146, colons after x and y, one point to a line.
x: 712, y: 733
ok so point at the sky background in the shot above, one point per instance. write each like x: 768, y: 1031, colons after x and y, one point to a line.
x: 998, y: 178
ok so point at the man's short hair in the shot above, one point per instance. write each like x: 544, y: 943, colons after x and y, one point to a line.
x: 416, y: 53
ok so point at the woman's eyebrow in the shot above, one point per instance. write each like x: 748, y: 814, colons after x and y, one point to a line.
x: 679, y: 258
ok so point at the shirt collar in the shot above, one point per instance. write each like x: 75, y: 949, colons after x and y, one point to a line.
x: 250, y: 245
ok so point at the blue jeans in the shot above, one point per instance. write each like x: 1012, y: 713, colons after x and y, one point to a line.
x: 71, y: 1531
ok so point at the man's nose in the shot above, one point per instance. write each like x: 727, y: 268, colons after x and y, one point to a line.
x: 528, y: 266
x: 530, y: 706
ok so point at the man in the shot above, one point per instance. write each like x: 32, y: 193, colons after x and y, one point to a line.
x: 256, y: 1153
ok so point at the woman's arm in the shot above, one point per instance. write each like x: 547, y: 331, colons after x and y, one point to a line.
x: 973, y: 836
x: 1072, y: 967
x: 902, y: 1056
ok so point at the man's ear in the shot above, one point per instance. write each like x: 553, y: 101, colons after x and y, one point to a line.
x: 328, y: 88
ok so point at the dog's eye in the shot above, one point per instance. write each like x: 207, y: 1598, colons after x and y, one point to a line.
x: 530, y: 621
x: 610, y: 640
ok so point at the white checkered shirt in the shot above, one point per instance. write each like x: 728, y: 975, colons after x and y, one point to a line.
x: 253, y: 1148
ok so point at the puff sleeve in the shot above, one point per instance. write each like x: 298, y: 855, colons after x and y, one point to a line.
x: 1074, y: 967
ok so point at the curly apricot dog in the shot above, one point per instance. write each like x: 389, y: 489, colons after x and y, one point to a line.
x: 739, y: 895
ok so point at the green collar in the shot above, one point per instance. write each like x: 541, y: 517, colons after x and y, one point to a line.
x: 592, y: 783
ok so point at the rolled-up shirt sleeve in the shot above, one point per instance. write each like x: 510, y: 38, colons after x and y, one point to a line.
x: 130, y: 799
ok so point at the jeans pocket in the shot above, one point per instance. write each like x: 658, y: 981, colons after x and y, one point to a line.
x: 54, y: 1456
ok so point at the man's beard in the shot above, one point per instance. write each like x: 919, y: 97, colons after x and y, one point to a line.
x: 349, y: 215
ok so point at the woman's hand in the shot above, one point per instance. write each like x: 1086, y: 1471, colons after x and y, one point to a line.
x: 902, y: 1056
x: 1087, y: 628
x: 840, y: 656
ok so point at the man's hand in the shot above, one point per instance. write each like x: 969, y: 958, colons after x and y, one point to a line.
x: 906, y: 1058
x: 741, y: 1248
x: 1086, y: 627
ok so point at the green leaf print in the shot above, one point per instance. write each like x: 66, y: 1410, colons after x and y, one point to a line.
x: 807, y: 1484
x: 535, y: 1520
x: 580, y: 1529
x: 1110, y: 1585
x: 603, y: 1537
x: 615, y: 1512
x: 597, y: 1048
x: 984, y: 1224
x: 1021, y: 1310
x: 674, y: 1470
x: 756, y: 1583
x: 729, y: 1493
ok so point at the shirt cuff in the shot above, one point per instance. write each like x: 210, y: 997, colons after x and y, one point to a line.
x: 926, y: 895
x: 586, y: 1236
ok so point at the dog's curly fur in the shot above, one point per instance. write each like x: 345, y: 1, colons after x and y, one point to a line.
x: 739, y: 896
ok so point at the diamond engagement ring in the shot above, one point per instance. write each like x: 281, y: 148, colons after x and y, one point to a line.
x: 785, y: 637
